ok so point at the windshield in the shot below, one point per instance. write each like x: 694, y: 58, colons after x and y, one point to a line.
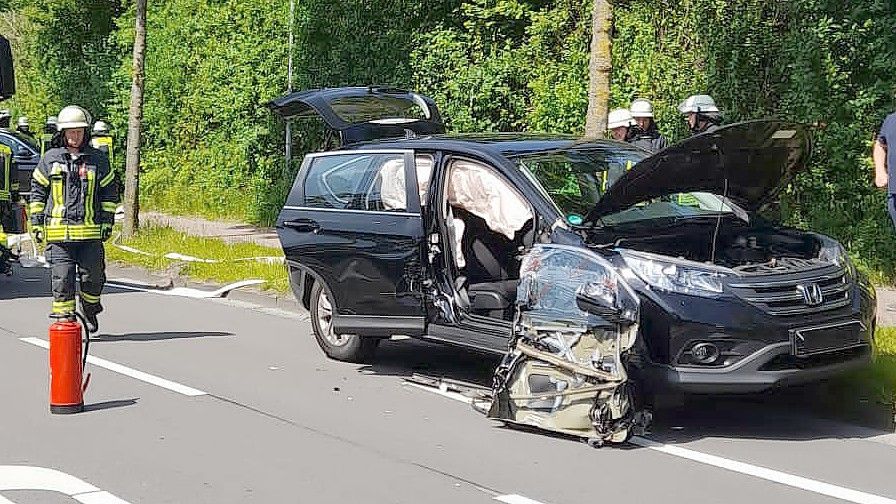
x: 576, y: 179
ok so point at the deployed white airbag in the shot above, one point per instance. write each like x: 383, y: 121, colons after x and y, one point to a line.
x: 480, y: 191
x: 393, y: 184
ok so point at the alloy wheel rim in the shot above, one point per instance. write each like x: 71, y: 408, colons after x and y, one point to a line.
x: 325, y: 320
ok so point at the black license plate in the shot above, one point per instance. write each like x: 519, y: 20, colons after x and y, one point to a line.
x: 815, y: 340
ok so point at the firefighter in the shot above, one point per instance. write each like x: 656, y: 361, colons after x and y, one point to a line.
x: 46, y: 138
x: 73, y: 201
x: 701, y: 113
x: 101, y: 139
x: 619, y: 122
x: 645, y: 133
x: 9, y: 194
x: 22, y: 126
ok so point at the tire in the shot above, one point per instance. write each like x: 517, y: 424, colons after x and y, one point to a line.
x: 348, y: 348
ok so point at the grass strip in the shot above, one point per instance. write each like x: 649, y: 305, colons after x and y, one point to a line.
x: 872, y: 389
x: 158, y: 241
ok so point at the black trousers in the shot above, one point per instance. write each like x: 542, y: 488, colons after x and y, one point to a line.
x: 89, y: 259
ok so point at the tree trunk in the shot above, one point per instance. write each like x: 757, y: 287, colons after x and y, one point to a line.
x: 599, y: 69
x: 135, y: 129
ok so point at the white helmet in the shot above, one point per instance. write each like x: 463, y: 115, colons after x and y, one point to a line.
x: 22, y: 121
x: 72, y: 117
x: 100, y: 127
x: 641, y: 108
x: 699, y: 104
x: 619, y: 118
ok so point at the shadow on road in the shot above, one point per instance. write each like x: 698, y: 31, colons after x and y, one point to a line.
x: 796, y: 414
x: 157, y: 336
x: 121, y: 403
x: 406, y: 357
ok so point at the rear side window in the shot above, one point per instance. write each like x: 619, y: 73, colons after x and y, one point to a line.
x: 369, y: 181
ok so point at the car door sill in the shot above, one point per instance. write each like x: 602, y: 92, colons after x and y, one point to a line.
x: 481, y: 333
x: 375, y: 325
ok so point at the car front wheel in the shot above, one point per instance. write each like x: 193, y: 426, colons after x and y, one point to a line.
x: 349, y: 348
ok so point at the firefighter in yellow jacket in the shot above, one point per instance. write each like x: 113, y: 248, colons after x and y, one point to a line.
x: 9, y: 194
x: 73, y: 199
x: 101, y: 139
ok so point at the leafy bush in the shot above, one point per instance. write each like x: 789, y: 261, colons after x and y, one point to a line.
x: 213, y: 149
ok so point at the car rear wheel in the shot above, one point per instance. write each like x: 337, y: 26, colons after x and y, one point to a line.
x: 349, y: 348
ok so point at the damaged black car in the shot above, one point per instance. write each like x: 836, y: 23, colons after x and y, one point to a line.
x: 586, y: 263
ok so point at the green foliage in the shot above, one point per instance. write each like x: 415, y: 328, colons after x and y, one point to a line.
x: 513, y: 65
x: 62, y: 54
x: 508, y: 65
x: 517, y: 65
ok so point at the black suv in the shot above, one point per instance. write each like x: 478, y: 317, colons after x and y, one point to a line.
x: 403, y: 230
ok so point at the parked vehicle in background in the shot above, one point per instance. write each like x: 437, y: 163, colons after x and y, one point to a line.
x: 26, y: 155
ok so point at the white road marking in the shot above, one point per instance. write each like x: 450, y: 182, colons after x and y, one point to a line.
x: 133, y: 373
x: 51, y: 480
x: 101, y: 497
x: 809, y: 485
x: 515, y: 499
x: 791, y: 480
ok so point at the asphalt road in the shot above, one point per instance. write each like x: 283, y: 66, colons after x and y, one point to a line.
x: 239, y: 405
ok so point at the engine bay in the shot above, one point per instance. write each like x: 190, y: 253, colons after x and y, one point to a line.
x: 732, y: 244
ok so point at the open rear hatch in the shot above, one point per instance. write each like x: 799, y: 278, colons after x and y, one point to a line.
x: 749, y: 163
x: 360, y: 114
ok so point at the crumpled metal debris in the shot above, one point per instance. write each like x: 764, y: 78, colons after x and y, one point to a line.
x: 565, y: 370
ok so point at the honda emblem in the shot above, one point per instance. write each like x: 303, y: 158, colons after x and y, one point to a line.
x: 811, y: 293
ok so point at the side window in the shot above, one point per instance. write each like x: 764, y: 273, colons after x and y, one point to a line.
x: 361, y: 181
x: 423, y: 163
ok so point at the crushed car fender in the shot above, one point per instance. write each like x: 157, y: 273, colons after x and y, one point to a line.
x: 565, y: 370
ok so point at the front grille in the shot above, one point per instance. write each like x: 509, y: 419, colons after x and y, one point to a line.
x: 785, y: 297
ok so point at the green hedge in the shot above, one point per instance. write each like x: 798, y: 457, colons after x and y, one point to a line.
x: 212, y: 149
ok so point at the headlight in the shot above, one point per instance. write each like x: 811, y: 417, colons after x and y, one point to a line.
x: 674, y: 276
x: 833, y: 252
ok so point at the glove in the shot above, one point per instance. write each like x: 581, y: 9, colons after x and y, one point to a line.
x: 38, y: 232
x: 107, y: 231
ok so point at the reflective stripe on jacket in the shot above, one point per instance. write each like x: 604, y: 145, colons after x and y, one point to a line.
x: 9, y: 181
x: 73, y: 197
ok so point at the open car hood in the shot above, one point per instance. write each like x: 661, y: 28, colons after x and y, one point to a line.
x: 751, y: 162
x: 361, y: 114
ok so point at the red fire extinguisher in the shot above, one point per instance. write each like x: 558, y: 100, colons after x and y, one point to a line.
x: 67, y: 366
